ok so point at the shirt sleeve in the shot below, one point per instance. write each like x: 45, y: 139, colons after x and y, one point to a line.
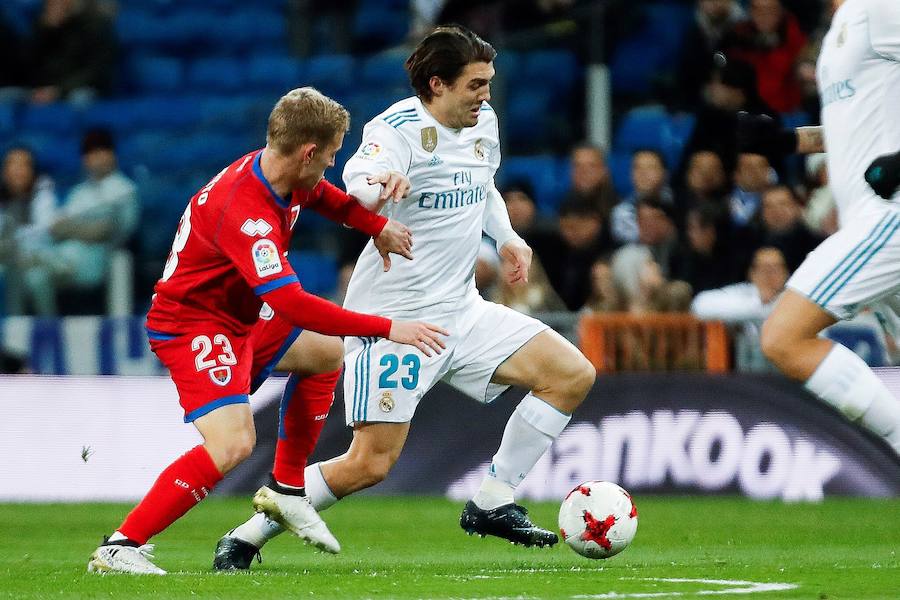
x: 496, y: 222
x: 249, y: 239
x: 335, y: 204
x: 383, y: 148
x: 884, y: 28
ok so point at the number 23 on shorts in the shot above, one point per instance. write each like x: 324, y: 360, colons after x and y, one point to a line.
x: 409, y: 375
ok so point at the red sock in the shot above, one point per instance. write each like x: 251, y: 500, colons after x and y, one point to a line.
x: 178, y: 488
x: 304, y: 406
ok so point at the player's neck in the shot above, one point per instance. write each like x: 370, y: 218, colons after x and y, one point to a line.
x: 440, y: 116
x: 276, y: 170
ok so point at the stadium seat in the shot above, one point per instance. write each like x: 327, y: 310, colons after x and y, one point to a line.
x: 620, y: 168
x: 642, y: 128
x: 554, y: 68
x: 316, y: 271
x: 56, y: 153
x: 542, y: 172
x: 166, y: 112
x: 157, y: 74
x: 333, y: 74
x: 275, y: 72
x: 527, y: 117
x: 267, y: 30
x: 7, y: 119
x: 58, y: 117
x: 118, y: 116
x: 216, y: 75
x: 386, y: 71
x: 376, y: 27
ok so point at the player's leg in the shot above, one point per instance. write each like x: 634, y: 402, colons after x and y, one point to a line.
x: 855, y: 267
x: 558, y: 377
x: 314, y: 361
x: 228, y: 438
x: 212, y: 374
x: 832, y: 372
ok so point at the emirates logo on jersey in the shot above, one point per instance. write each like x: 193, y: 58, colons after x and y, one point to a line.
x: 256, y: 228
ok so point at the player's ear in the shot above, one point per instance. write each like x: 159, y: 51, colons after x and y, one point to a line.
x: 307, y: 152
x: 437, y: 85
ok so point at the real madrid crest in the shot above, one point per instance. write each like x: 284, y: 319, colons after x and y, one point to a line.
x: 479, y: 149
x: 429, y: 138
x: 386, y: 404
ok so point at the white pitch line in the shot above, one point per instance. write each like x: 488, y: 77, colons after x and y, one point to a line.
x: 745, y: 587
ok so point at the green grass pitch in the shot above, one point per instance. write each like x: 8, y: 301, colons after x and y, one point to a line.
x: 413, y: 548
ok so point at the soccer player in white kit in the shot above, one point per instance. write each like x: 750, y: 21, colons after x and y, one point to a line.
x: 858, y: 75
x: 445, y: 139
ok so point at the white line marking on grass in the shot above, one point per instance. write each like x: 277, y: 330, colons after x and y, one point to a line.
x: 744, y: 587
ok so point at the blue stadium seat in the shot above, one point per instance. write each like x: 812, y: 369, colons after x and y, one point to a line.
x: 508, y: 63
x: 316, y: 271
x: 642, y: 128
x: 167, y: 112
x: 216, y: 75
x: 377, y: 27
x: 119, y: 116
x: 620, y: 169
x: 7, y: 119
x: 58, y: 154
x: 58, y: 117
x: 526, y: 119
x: 254, y: 30
x: 333, y: 74
x: 157, y: 74
x: 554, y: 68
x: 144, y: 29
x: 542, y: 172
x: 277, y: 73
x: 386, y: 71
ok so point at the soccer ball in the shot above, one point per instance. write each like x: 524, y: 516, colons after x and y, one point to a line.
x: 598, y: 519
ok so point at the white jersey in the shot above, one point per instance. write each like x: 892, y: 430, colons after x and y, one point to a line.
x: 452, y: 174
x: 858, y: 74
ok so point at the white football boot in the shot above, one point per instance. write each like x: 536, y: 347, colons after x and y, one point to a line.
x: 297, y: 515
x: 118, y: 558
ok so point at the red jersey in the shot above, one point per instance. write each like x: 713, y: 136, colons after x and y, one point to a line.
x: 231, y: 249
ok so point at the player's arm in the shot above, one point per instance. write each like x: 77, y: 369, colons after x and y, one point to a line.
x: 761, y: 134
x: 516, y: 254
x: 262, y: 262
x: 390, y: 236
x: 377, y: 172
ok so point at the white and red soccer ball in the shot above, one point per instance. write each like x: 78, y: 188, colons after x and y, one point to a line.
x: 598, y: 519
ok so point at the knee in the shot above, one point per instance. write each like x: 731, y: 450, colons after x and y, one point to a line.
x: 775, y: 344
x: 569, y: 384
x: 236, y: 449
x: 333, y: 354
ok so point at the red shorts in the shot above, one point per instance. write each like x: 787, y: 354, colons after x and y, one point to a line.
x: 213, y: 368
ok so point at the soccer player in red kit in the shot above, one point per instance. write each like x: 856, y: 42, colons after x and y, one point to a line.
x: 229, y: 309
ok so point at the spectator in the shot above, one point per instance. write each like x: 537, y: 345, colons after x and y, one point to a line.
x: 771, y: 41
x: 782, y: 226
x: 591, y: 180
x: 642, y: 285
x: 657, y: 231
x: 732, y: 88
x: 820, y: 213
x: 705, y: 261
x: 752, y: 175
x: 73, y: 53
x: 649, y: 178
x: 746, y: 305
x: 705, y: 181
x: 712, y: 20
x: 535, y: 296
x: 27, y: 204
x: 604, y: 296
x: 98, y: 217
x: 581, y: 239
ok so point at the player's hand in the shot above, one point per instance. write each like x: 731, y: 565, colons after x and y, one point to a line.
x: 516, y: 255
x: 424, y: 336
x: 394, y: 185
x: 883, y: 175
x: 395, y: 237
x: 761, y: 134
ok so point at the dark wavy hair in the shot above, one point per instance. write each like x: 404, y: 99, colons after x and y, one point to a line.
x: 444, y: 53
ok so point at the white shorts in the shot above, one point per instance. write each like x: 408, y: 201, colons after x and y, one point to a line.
x: 384, y: 381
x: 857, y: 266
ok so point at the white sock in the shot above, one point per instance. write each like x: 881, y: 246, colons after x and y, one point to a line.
x: 846, y: 382
x: 317, y: 490
x: 529, y: 432
x: 257, y: 530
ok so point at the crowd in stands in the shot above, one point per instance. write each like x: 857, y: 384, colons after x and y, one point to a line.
x: 669, y: 218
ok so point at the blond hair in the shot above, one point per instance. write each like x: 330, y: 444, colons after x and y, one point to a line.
x: 302, y: 116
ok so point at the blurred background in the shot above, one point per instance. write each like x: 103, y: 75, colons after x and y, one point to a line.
x: 658, y: 247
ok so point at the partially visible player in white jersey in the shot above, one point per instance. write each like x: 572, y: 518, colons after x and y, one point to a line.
x: 445, y: 140
x: 858, y: 76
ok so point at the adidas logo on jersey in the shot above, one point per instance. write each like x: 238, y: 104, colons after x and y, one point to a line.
x: 256, y: 228
x: 435, y: 161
